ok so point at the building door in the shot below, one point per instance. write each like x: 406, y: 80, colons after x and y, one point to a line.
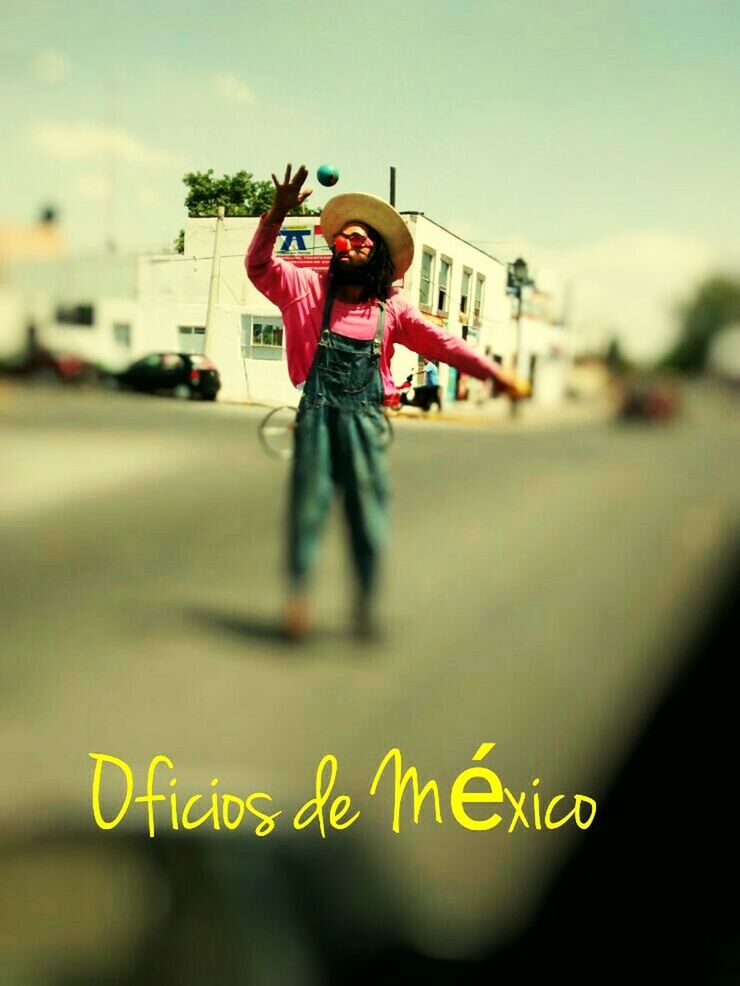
x: 191, y: 339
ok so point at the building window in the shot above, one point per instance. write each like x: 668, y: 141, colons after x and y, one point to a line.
x: 191, y: 338
x: 480, y: 284
x: 122, y: 334
x: 425, y: 288
x: 443, y: 288
x: 267, y: 334
x: 465, y: 291
x: 76, y: 315
x: 262, y: 337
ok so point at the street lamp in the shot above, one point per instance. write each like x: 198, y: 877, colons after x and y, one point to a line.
x: 518, y: 279
x: 521, y: 271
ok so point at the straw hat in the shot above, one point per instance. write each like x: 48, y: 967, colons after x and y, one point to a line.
x: 362, y: 208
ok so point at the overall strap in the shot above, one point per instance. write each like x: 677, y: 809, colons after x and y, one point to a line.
x: 378, y: 340
x: 325, y: 339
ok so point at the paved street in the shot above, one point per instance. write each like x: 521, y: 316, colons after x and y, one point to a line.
x: 539, y: 586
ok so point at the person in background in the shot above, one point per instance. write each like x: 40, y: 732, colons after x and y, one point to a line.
x: 432, y: 381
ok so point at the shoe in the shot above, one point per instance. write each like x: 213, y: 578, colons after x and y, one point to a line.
x: 297, y: 619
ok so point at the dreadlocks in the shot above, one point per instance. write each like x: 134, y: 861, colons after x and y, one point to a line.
x: 376, y: 276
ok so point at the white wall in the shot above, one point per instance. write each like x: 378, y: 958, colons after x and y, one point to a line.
x: 235, y: 288
x: 268, y: 382
x: 97, y: 342
x: 108, y: 283
x: 12, y: 324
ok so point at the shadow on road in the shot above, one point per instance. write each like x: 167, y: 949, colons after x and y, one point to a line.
x: 260, y: 628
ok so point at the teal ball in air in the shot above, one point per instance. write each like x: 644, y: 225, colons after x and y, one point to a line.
x: 327, y: 175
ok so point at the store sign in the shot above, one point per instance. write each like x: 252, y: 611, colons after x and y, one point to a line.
x: 304, y: 246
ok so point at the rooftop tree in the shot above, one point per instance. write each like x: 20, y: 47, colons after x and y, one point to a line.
x: 240, y: 195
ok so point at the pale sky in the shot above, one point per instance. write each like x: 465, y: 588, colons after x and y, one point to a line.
x: 598, y: 138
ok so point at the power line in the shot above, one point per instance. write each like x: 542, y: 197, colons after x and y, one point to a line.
x: 177, y: 257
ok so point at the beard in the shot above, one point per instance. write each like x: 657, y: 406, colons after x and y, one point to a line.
x: 348, y: 273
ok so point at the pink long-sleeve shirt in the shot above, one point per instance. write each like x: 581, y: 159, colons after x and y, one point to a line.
x: 300, y: 294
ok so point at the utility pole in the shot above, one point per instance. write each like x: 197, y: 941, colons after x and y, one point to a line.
x: 393, y: 187
x: 518, y: 280
x: 514, y: 404
x: 214, y: 285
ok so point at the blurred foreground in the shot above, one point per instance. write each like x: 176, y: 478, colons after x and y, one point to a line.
x: 558, y: 592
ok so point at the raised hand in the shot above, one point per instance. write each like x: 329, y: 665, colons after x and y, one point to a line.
x: 289, y: 193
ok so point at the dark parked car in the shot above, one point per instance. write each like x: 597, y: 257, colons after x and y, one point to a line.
x: 181, y: 375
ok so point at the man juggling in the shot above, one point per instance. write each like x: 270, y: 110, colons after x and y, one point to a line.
x: 341, y: 328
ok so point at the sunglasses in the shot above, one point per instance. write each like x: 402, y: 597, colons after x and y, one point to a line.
x: 343, y: 242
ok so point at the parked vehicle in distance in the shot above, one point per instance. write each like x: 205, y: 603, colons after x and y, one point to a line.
x: 645, y: 399
x: 185, y: 376
x: 44, y: 365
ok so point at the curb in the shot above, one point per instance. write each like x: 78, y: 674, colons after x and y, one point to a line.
x: 556, y: 418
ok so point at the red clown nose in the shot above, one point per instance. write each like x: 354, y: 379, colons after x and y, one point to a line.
x: 341, y: 244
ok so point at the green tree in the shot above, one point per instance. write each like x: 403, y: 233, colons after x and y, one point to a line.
x: 240, y: 195
x: 715, y: 305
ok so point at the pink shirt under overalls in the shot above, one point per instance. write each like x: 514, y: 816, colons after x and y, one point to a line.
x: 300, y: 294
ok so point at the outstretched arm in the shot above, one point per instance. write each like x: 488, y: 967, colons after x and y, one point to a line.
x: 280, y: 281
x: 422, y: 336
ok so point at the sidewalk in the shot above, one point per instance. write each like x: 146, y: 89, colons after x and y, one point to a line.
x: 491, y: 413
x: 497, y: 413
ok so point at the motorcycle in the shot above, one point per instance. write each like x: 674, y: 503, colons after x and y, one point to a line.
x: 423, y: 397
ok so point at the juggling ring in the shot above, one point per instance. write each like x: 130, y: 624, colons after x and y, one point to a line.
x: 276, y: 431
x: 278, y: 427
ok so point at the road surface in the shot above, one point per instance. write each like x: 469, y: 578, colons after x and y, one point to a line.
x: 539, y: 587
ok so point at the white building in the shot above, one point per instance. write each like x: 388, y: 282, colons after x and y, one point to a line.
x: 115, y: 309
x: 84, y: 305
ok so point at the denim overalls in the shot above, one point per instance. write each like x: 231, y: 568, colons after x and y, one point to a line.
x: 340, y: 440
